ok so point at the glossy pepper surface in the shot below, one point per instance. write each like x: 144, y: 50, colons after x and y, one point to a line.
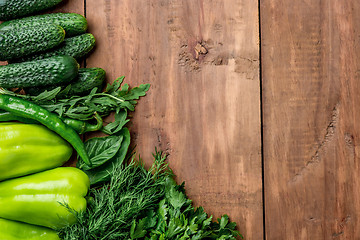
x: 79, y: 126
x: 30, y: 148
x: 12, y: 230
x: 26, y: 109
x: 39, y: 198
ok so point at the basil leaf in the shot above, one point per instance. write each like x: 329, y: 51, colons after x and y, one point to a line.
x: 102, y: 173
x: 100, y: 150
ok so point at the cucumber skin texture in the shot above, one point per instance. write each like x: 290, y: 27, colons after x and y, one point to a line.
x: 11, y: 9
x: 87, y: 79
x: 74, y: 24
x: 45, y: 72
x: 25, y: 41
x: 76, y: 47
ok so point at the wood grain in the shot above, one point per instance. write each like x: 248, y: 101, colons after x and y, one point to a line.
x: 74, y: 6
x: 203, y: 108
x: 311, y: 88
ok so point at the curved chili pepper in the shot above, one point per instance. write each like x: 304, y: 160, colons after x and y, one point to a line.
x: 26, y: 109
x: 79, y: 126
x: 82, y: 126
x: 8, y: 116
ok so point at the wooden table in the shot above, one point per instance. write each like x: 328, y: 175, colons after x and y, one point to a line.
x: 256, y: 103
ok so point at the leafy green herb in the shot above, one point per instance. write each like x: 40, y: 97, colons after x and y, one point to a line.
x: 101, y: 150
x: 118, y: 124
x: 105, y: 153
x: 176, y: 218
x: 145, y: 204
x: 111, y: 210
x: 116, y: 98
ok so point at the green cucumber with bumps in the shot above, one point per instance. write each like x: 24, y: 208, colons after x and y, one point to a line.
x: 73, y: 23
x: 26, y: 41
x: 11, y: 9
x: 87, y: 79
x: 49, y: 71
x: 76, y: 47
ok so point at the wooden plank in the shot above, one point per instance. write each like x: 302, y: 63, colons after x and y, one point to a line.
x: 311, y: 88
x: 74, y: 6
x: 203, y: 109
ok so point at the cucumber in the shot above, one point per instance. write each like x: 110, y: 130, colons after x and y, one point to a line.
x: 87, y: 79
x: 77, y: 47
x: 25, y: 41
x: 11, y: 9
x: 73, y: 23
x: 45, y: 72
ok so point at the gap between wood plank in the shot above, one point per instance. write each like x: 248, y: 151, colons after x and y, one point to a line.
x: 261, y: 125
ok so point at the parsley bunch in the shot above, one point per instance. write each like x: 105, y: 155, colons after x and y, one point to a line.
x: 176, y: 218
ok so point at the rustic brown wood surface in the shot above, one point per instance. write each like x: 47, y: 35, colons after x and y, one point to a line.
x: 205, y: 104
x: 203, y: 108
x: 310, y: 75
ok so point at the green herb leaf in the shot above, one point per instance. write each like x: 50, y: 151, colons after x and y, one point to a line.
x: 114, y: 208
x: 118, y: 124
x: 103, y: 172
x: 115, y: 98
x: 137, y: 229
x: 100, y: 150
x: 176, y: 198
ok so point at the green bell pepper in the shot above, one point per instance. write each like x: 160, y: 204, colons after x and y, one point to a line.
x: 39, y: 198
x: 30, y: 148
x: 12, y: 230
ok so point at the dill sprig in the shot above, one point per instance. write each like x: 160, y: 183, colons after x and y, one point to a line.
x: 113, y: 207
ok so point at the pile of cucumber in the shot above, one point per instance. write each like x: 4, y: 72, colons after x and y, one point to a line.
x: 43, y: 50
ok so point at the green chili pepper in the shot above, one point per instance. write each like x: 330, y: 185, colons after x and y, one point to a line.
x: 82, y: 126
x: 79, y: 126
x: 7, y: 117
x: 26, y: 109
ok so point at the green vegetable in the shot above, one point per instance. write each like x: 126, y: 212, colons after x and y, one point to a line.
x: 30, y: 148
x: 79, y: 126
x: 39, y: 198
x: 30, y: 110
x: 144, y: 204
x: 176, y: 218
x: 77, y: 47
x: 11, y: 9
x: 26, y: 41
x: 7, y: 117
x: 87, y: 79
x: 132, y: 190
x: 105, y: 153
x: 73, y: 23
x: 12, y: 230
x: 114, y: 99
x: 82, y: 127
x: 49, y: 71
